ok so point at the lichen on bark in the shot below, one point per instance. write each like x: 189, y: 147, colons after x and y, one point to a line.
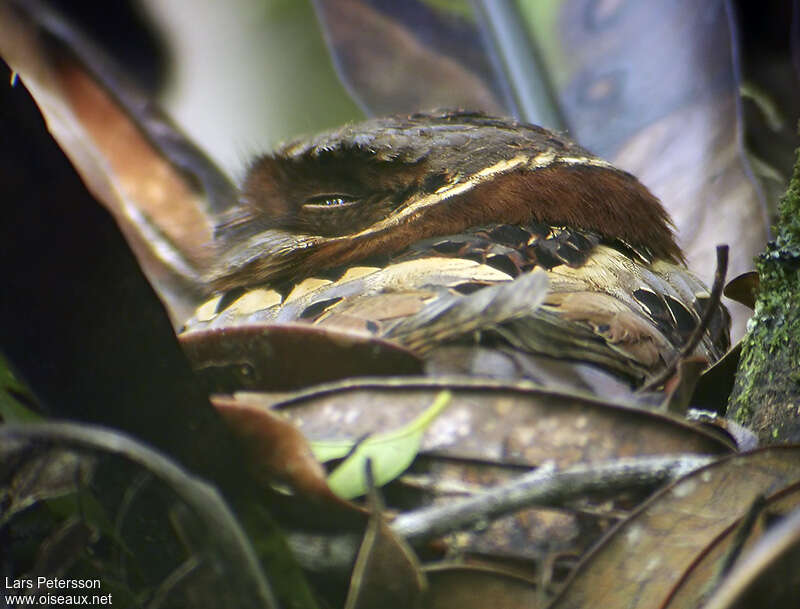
x: 766, y: 395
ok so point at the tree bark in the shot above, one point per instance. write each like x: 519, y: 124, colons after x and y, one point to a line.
x: 766, y: 395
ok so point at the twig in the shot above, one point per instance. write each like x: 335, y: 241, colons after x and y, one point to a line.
x: 705, y: 320
x: 542, y: 487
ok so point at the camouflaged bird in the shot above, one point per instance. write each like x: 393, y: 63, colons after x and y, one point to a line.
x: 487, y: 246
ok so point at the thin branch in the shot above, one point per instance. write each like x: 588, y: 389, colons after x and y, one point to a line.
x: 700, y: 329
x: 543, y: 487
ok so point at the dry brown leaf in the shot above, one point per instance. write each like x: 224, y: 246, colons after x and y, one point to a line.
x: 768, y: 575
x: 115, y: 161
x: 715, y: 385
x: 279, y: 456
x: 680, y: 388
x: 386, y: 574
x: 642, y: 559
x: 514, y: 424
x: 276, y: 450
x: 486, y: 436
x: 701, y: 579
x: 281, y: 357
x: 145, y: 177
x: 744, y: 289
x: 471, y: 587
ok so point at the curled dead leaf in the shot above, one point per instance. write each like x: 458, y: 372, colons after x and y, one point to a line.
x: 280, y: 357
x: 641, y: 560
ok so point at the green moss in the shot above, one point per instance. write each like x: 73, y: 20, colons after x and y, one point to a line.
x: 768, y: 377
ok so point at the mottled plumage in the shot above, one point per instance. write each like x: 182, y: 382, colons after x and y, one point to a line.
x: 435, y: 230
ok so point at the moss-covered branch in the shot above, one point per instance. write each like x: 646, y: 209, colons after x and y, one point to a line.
x: 766, y: 396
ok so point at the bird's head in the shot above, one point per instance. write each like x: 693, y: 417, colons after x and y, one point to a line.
x: 378, y: 186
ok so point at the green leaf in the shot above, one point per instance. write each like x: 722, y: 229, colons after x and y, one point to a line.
x: 391, y: 453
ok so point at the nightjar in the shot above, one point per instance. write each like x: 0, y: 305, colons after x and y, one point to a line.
x: 486, y: 246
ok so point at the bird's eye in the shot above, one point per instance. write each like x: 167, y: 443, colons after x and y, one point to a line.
x: 332, y: 214
x: 330, y: 201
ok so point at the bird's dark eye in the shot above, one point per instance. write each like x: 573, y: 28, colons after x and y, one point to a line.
x: 330, y: 201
